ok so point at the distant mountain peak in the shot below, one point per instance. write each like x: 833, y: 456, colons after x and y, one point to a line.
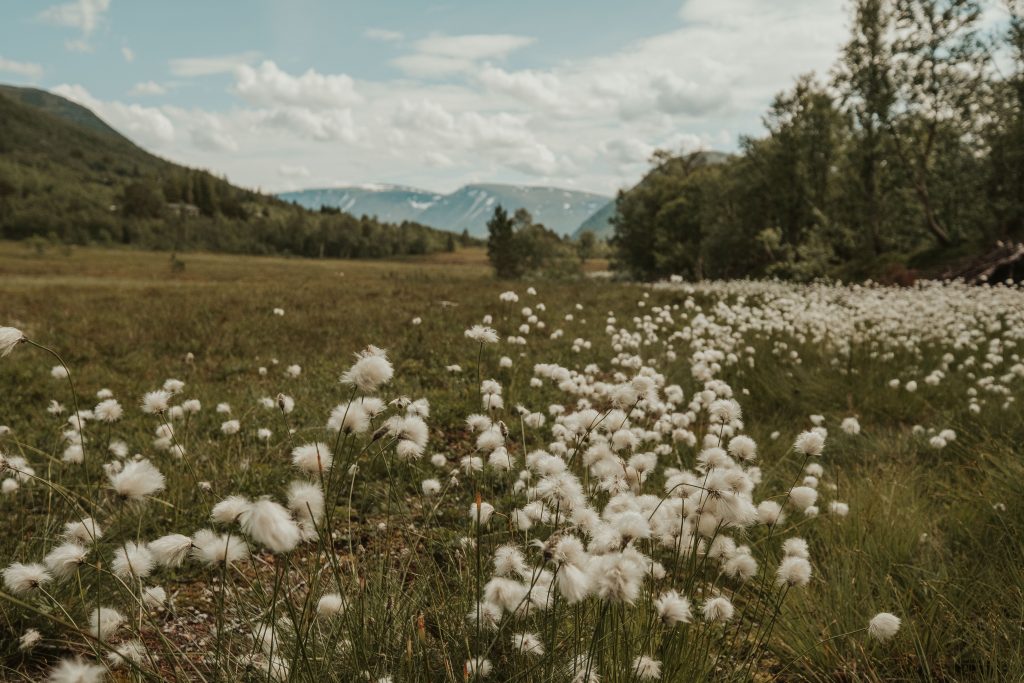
x: 467, y: 208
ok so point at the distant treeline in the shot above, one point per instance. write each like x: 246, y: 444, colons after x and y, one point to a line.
x: 70, y: 182
x: 910, y: 154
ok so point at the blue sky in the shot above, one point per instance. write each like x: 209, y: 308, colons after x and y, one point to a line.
x: 313, y: 93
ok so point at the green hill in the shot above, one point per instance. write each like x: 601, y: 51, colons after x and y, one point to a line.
x: 67, y: 176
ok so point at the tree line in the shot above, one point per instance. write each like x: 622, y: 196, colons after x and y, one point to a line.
x: 910, y: 154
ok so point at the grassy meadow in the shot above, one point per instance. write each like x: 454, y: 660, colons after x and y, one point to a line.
x: 620, y: 480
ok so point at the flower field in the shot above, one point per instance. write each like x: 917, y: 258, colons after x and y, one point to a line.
x: 270, y: 470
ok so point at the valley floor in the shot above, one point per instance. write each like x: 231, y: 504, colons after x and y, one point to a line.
x: 933, y: 533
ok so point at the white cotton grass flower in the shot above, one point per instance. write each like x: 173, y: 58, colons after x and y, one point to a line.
x: 64, y: 560
x: 371, y: 370
x: 312, y: 458
x: 215, y: 549
x: 170, y: 550
x: 838, y: 508
x: 306, y: 502
x: 743, y: 448
x: 883, y: 626
x: 350, y: 418
x: 173, y: 386
x: 59, y: 372
x: 810, y: 443
x: 83, y: 531
x: 9, y: 338
x: 230, y: 427
x: 132, y: 560
x: 264, y: 434
x: 718, y: 609
x: 138, y: 479
x: 230, y: 510
x: 851, y: 426
x: 156, y: 402
x: 430, y: 487
x: 29, y: 639
x: 108, y: 411
x: 673, y: 608
x: 269, y: 524
x: 76, y: 671
x: 480, y: 512
x: 802, y: 497
x: 23, y: 579
x: 527, y: 644
x: 330, y: 605
x: 103, y: 622
x: 793, y: 571
x: 224, y: 408
x: 482, y: 334
x: 769, y: 512
x: 646, y: 668
x: 478, y: 668
x: 154, y: 597
x: 795, y: 547
x: 130, y: 652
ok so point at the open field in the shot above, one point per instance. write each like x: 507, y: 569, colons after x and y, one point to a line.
x: 654, y: 452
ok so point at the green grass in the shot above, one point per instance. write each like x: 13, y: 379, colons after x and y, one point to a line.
x: 922, y: 540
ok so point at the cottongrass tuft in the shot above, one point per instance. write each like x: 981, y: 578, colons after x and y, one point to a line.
x: 718, y: 609
x: 312, y: 458
x: 9, y: 338
x: 64, y: 560
x: 103, y: 622
x: 22, y: 579
x: 156, y: 402
x: 883, y: 626
x: 132, y: 559
x: 76, y: 671
x: 138, y: 479
x: 170, y: 550
x: 330, y: 605
x: 673, y: 608
x: 810, y: 443
x: 371, y: 370
x: 793, y: 571
x: 647, y: 669
x: 214, y: 549
x: 269, y: 524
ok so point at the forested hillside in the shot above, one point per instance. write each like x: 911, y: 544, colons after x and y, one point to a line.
x: 910, y: 155
x: 66, y: 176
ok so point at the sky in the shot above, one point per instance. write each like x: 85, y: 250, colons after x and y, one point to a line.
x: 317, y: 93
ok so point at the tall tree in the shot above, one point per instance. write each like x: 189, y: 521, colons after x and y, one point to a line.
x: 938, y: 74
x: 864, y: 77
x: 501, y: 249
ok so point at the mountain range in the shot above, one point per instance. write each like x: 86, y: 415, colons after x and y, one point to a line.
x: 468, y: 208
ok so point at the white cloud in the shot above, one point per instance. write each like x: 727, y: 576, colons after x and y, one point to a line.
x: 441, y: 55
x: 473, y: 46
x: 148, y: 126
x: 383, y: 35
x: 77, y: 45
x: 325, y: 126
x: 464, y: 110
x: 268, y: 85
x: 84, y: 15
x: 29, y: 70
x: 187, y: 67
x: 288, y: 171
x: 147, y: 88
x: 128, y: 54
x: 534, y: 87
